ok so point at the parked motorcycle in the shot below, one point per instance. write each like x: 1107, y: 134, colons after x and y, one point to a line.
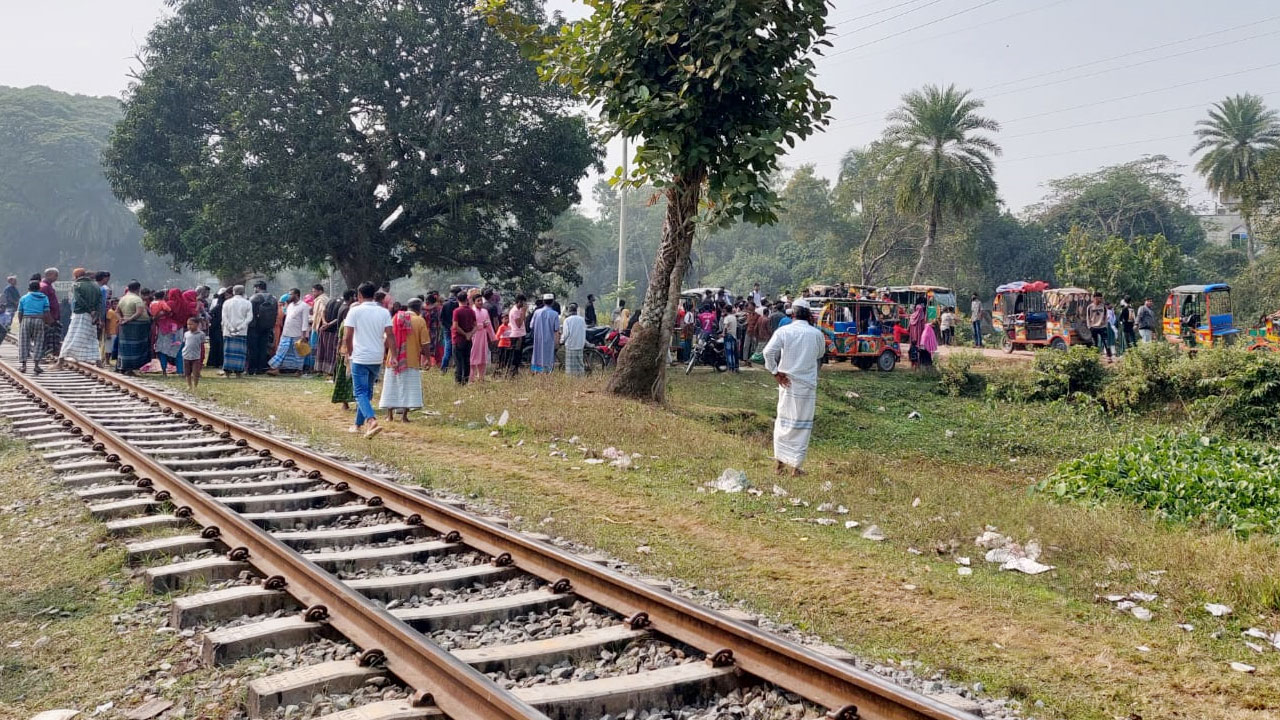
x: 707, y: 350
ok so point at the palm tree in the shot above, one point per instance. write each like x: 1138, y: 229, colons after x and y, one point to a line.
x: 1239, y: 132
x: 944, y: 164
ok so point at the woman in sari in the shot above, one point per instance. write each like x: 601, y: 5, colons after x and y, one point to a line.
x: 168, y: 318
x: 402, y: 384
x: 481, y: 338
x: 915, y: 329
x: 435, y: 329
x: 343, y: 390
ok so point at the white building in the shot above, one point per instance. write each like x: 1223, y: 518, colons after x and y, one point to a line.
x: 1225, y: 226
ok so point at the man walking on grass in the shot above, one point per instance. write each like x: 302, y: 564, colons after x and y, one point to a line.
x: 792, y: 356
x: 365, y: 343
x: 575, y: 339
x: 975, y: 316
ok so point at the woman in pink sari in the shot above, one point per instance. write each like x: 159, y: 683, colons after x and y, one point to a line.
x: 480, y: 340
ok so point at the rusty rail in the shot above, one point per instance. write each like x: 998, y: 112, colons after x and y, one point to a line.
x: 436, y: 675
x: 848, y: 691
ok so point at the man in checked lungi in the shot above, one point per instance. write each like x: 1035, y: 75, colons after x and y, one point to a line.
x: 575, y: 339
x: 53, y: 329
x: 87, y: 313
x: 792, y: 356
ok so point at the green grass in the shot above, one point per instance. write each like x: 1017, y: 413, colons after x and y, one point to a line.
x: 1039, y: 638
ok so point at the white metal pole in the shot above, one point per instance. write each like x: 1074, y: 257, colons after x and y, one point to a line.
x: 622, y: 224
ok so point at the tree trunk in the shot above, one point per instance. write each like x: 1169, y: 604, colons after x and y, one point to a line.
x: 356, y: 270
x: 642, y: 366
x: 928, y: 241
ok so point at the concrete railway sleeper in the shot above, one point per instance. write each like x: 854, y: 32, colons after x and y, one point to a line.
x: 479, y: 621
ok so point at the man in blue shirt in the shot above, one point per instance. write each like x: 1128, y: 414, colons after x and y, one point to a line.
x: 33, y: 318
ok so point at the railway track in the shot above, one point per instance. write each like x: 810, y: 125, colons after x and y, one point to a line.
x: 296, y: 547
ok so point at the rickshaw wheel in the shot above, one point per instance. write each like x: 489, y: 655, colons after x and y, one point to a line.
x: 1007, y: 344
x: 1058, y: 344
x: 886, y: 361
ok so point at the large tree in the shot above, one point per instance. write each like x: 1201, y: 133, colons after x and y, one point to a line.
x: 716, y: 89
x: 1238, y: 133
x: 883, y: 238
x: 945, y: 164
x: 372, y: 135
x: 1139, y: 198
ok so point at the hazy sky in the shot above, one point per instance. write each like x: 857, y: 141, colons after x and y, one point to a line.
x: 1078, y: 84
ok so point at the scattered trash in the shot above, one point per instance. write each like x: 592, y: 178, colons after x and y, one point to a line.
x: 851, y: 395
x: 504, y: 418
x: 851, y: 524
x: 1242, y: 667
x: 826, y: 507
x: 842, y: 510
x: 872, y: 533
x: 1141, y: 613
x: 1142, y: 596
x: 755, y: 491
x: 103, y: 708
x: 1217, y: 610
x: 1026, y: 565
x: 730, y: 481
x: 1186, y: 627
x: 457, y: 402
x: 962, y: 561
x: 575, y: 440
x: 914, y: 551
x: 915, y: 503
x: 1143, y: 648
x: 880, y: 409
x: 644, y: 550
x: 520, y: 443
x: 494, y: 433
x: 1124, y: 605
x: 826, y: 486
x: 964, y: 571
x: 913, y: 415
x: 1271, y: 638
x: 490, y: 420
x: 779, y: 491
x: 622, y: 463
x: 611, y: 453
x: 1254, y: 647
x: 594, y: 461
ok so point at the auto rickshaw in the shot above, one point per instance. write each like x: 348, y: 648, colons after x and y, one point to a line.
x: 859, y: 330
x: 1021, y: 315
x: 934, y: 297
x: 1067, y: 323
x: 1199, y: 316
x: 1266, y: 337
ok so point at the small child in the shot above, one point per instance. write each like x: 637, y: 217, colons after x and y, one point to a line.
x: 193, y: 353
x: 110, y: 330
x: 504, y: 342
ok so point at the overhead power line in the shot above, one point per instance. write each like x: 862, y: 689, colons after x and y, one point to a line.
x: 873, y: 13
x: 888, y: 19
x: 865, y: 118
x: 957, y: 13
x: 1107, y: 121
x: 1090, y: 149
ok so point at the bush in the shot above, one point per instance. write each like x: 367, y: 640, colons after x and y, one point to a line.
x: 1185, y: 478
x: 957, y: 376
x: 1062, y: 374
x: 1242, y: 397
x: 1142, y: 379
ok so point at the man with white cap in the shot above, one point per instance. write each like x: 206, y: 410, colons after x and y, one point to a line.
x: 545, y: 327
x: 792, y: 357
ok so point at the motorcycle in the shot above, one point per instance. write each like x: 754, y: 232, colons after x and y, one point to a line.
x: 707, y: 350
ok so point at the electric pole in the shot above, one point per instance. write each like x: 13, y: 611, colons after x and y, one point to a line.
x: 622, y: 223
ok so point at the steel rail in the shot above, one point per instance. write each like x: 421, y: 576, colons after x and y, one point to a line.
x: 438, y: 677
x: 846, y: 690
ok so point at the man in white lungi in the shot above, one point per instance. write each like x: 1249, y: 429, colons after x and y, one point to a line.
x: 792, y: 356
x: 87, y: 311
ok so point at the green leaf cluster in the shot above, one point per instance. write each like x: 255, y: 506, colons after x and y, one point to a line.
x: 1183, y: 477
x: 1139, y: 267
x: 721, y: 87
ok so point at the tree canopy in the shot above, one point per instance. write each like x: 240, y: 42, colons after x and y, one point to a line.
x: 373, y: 135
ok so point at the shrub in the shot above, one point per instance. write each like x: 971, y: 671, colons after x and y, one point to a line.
x: 1062, y: 374
x: 1243, y: 396
x: 1185, y: 478
x: 957, y: 376
x: 1014, y: 384
x: 1142, y: 379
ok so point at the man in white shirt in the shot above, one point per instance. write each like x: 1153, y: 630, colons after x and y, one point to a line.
x: 792, y: 356
x: 296, y: 325
x: 729, y: 326
x: 237, y: 311
x: 575, y: 339
x: 366, y: 343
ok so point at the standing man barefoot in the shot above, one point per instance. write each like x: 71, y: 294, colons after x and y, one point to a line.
x: 367, y: 340
x: 792, y: 357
